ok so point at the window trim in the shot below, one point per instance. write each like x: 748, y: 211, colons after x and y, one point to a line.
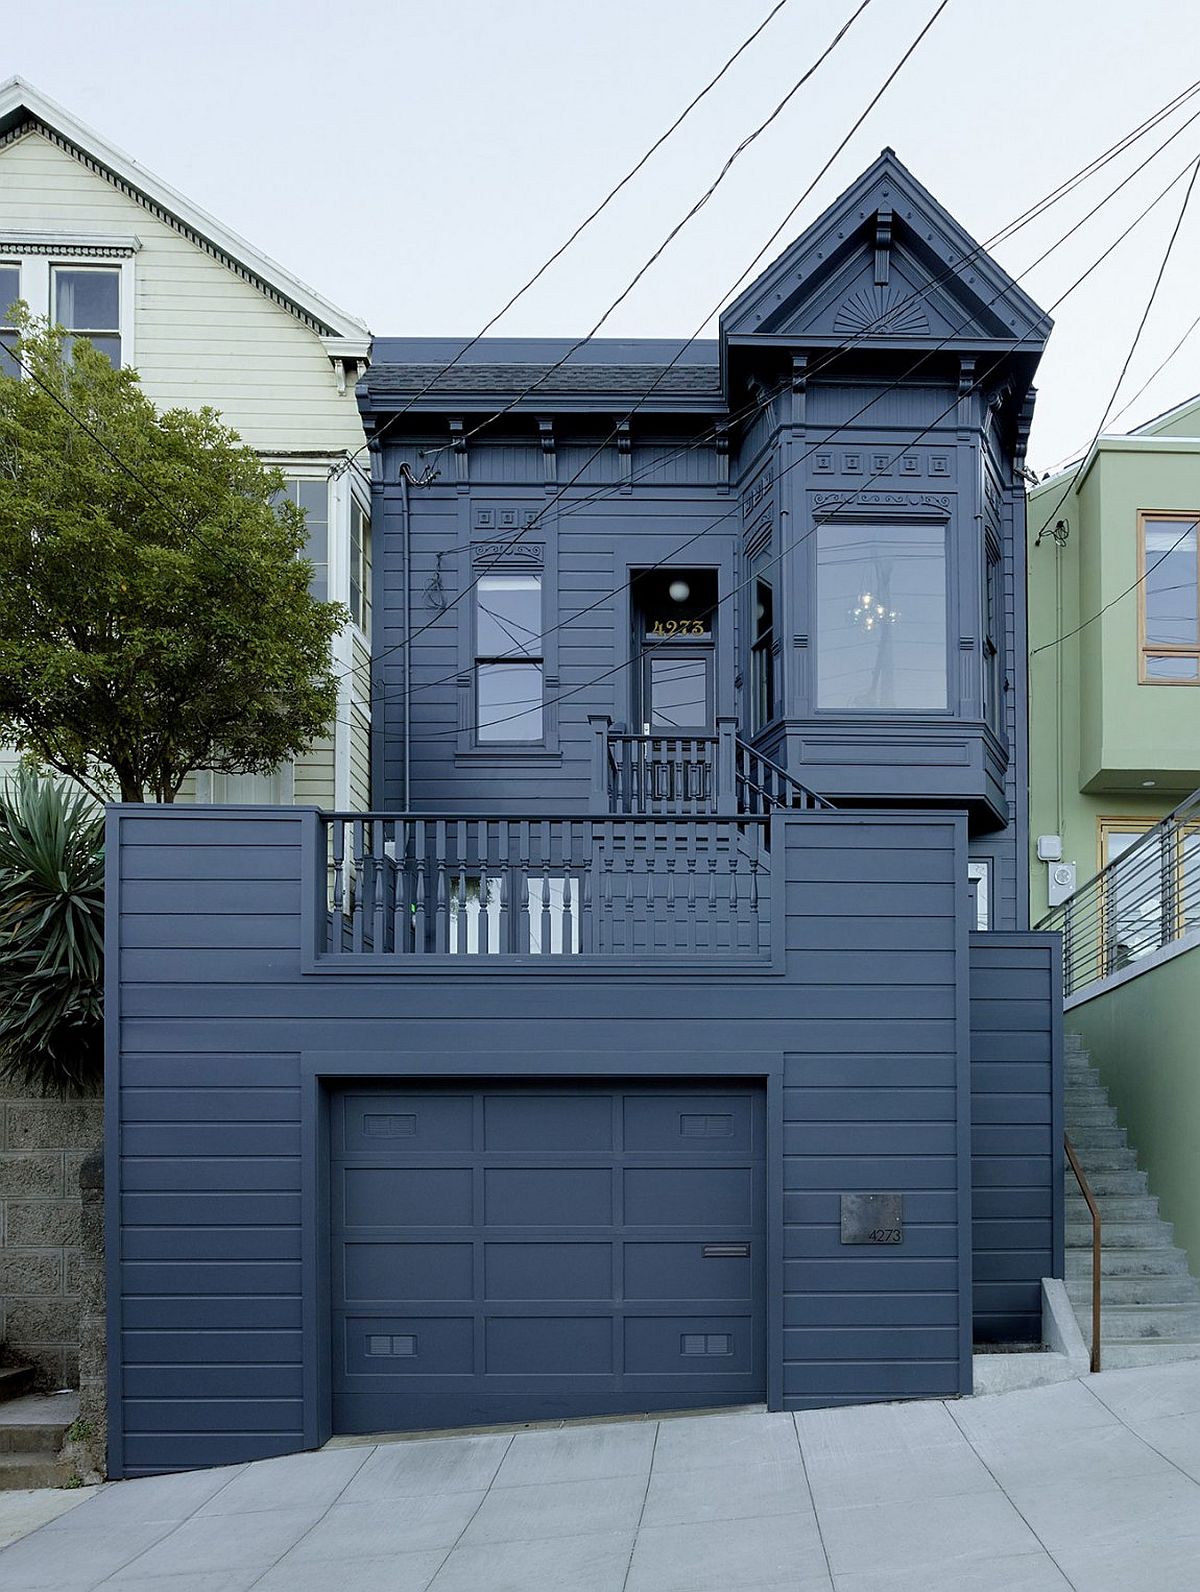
x: 37, y: 262
x: 882, y: 519
x: 1149, y: 649
x: 484, y: 660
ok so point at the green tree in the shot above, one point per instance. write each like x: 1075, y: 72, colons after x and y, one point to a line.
x: 155, y: 615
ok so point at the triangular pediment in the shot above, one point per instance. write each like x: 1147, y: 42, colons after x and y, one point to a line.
x: 886, y: 265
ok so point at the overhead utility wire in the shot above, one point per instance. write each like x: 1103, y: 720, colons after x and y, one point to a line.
x: 512, y: 542
x: 730, y: 161
x: 683, y: 546
x: 1103, y: 609
x: 1009, y: 230
x: 583, y: 225
x: 851, y: 498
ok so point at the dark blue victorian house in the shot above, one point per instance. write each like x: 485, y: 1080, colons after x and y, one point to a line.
x: 670, y: 1034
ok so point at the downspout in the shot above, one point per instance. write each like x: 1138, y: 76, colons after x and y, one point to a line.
x: 406, y: 693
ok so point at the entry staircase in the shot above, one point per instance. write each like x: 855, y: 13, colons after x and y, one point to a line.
x: 1150, y: 1301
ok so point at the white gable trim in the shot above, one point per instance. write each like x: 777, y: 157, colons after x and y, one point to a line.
x: 27, y: 111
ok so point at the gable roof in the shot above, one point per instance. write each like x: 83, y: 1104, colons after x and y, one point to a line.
x: 886, y: 265
x: 24, y: 109
x: 1185, y: 415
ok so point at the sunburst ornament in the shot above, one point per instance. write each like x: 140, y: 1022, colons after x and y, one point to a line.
x: 883, y: 310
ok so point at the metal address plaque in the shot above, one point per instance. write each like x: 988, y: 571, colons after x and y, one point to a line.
x: 872, y: 1218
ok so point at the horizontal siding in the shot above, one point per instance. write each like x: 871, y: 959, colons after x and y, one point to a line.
x: 210, y: 1180
x: 202, y: 335
x: 1016, y: 1133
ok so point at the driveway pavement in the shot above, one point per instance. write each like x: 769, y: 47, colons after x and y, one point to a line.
x: 1092, y: 1485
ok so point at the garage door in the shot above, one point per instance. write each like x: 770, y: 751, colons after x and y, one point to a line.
x: 513, y: 1253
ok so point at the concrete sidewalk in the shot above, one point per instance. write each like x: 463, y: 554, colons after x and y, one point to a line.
x: 1092, y: 1484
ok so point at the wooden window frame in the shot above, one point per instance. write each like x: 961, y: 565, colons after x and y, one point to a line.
x: 1149, y: 649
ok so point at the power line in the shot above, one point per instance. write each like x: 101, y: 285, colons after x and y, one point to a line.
x: 657, y: 254
x: 1153, y: 376
x: 922, y: 359
x: 880, y: 474
x: 1121, y: 377
x: 512, y: 542
x: 586, y: 222
x: 1009, y: 230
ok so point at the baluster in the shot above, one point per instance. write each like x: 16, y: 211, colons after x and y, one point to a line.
x: 605, y: 926
x: 481, y: 847
x: 690, y: 931
x: 522, y: 904
x: 713, y: 937
x: 545, y: 842
x: 418, y: 924
x: 378, y: 884
x: 628, y: 938
x: 504, y: 931
x: 356, y: 886
x: 441, y: 927
x: 669, y: 900
x: 337, y: 840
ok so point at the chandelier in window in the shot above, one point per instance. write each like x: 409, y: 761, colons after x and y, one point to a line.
x: 871, y: 614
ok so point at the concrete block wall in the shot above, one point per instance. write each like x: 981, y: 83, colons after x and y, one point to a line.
x: 43, y: 1143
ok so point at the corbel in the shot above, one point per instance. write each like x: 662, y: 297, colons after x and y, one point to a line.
x: 721, y: 448
x: 1024, y: 423
x: 549, y: 457
x: 625, y: 454
x: 966, y: 386
x: 458, y: 446
x: 799, y: 388
x: 883, y: 245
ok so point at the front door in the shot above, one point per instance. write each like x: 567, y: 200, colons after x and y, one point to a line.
x: 674, y: 621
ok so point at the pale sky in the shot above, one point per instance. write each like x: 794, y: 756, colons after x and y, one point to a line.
x: 415, y: 162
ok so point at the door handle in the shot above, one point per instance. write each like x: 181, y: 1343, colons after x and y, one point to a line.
x: 726, y: 1251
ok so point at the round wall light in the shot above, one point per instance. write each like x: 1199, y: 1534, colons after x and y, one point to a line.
x: 679, y: 591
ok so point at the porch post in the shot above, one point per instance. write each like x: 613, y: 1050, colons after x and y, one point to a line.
x: 600, y: 724
x: 726, y: 764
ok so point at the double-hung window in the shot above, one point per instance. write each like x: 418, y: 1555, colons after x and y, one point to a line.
x: 508, y: 659
x: 10, y: 292
x: 312, y: 495
x: 360, y: 567
x: 87, y: 303
x: 1170, y: 599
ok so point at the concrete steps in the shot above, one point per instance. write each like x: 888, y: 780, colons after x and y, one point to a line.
x: 1150, y: 1304
x: 32, y: 1429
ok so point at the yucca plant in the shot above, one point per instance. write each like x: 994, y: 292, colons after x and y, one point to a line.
x: 51, y: 936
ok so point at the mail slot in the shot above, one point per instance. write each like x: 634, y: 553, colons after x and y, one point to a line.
x: 726, y: 1251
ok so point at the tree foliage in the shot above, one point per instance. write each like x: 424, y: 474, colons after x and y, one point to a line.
x: 155, y: 615
x: 51, y: 936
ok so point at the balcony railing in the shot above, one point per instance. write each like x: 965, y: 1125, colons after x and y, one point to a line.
x: 690, y: 775
x: 412, y: 886
x: 1144, y: 900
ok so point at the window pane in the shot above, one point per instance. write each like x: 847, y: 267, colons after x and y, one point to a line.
x: 1133, y: 904
x: 881, y: 616
x: 312, y: 496
x: 1170, y: 584
x: 509, y: 704
x: 10, y: 292
x: 509, y: 616
x: 678, y: 693
x: 1172, y: 667
x: 87, y: 300
x: 104, y: 344
x: 762, y: 662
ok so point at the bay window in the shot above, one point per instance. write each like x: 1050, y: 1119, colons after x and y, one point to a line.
x: 881, y: 617
x: 10, y: 292
x: 360, y: 567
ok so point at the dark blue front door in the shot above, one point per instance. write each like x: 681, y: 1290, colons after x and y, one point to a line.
x: 523, y: 1253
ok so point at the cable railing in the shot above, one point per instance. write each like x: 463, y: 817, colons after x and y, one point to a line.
x: 1142, y: 901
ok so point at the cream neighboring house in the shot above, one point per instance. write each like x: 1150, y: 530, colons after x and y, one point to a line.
x: 89, y: 237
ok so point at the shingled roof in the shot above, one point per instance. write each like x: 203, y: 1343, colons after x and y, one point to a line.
x: 505, y: 381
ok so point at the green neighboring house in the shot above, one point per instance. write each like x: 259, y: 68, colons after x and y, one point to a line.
x: 1114, y: 709
x: 1114, y: 570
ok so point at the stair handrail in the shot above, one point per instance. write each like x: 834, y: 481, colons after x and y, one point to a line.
x: 1085, y: 1189
x: 808, y: 798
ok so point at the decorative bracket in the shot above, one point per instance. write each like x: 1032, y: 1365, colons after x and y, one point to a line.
x: 883, y: 245
x: 549, y: 457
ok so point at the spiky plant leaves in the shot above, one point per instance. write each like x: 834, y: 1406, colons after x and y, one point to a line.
x: 51, y: 936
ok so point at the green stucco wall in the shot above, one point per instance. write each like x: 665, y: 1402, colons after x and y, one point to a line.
x: 1096, y: 734
x: 1144, y: 1036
